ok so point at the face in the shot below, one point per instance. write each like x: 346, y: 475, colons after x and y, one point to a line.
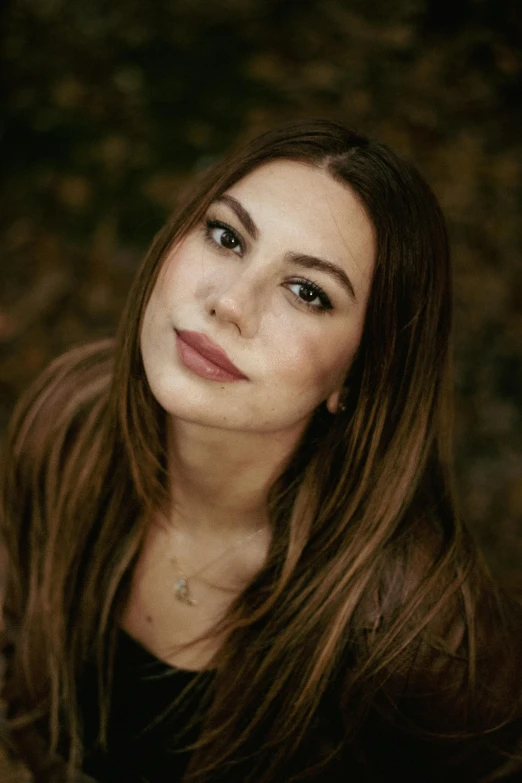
x: 257, y: 313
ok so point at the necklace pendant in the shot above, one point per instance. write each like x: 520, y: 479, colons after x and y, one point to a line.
x: 181, y: 591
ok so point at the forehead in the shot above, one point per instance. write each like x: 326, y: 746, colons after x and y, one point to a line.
x: 304, y: 206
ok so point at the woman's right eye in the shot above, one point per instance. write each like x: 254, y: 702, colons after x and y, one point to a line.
x: 223, y: 236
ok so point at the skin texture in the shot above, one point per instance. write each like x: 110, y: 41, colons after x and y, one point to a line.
x: 228, y: 441
x: 244, y: 299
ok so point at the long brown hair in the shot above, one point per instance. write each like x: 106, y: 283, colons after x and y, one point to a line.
x: 366, y: 551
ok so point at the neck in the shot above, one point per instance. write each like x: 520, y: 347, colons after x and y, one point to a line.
x: 221, y: 479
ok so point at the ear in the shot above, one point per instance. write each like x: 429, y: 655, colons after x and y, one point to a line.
x: 332, y: 401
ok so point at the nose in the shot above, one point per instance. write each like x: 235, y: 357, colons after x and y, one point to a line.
x: 238, y: 302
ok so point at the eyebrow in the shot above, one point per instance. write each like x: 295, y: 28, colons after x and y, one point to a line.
x: 241, y: 213
x: 312, y: 262
x: 300, y: 259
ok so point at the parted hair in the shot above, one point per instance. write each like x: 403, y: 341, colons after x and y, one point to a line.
x: 368, y: 559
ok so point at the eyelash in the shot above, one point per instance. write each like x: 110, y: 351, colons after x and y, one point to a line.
x: 325, y: 305
x: 319, y: 293
x: 210, y: 225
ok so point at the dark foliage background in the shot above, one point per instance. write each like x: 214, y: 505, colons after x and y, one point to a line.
x: 109, y: 105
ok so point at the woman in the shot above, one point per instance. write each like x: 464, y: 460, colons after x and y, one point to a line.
x: 233, y: 550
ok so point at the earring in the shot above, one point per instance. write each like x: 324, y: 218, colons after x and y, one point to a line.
x: 341, y: 407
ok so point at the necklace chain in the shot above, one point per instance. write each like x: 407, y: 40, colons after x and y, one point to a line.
x: 182, y: 589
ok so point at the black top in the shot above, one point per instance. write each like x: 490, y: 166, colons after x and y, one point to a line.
x: 146, y: 740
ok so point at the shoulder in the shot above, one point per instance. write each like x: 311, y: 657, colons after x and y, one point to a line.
x: 436, y: 622
x: 65, y: 393
x: 447, y: 641
x: 43, y: 455
x: 457, y: 617
x: 64, y: 388
x: 42, y: 451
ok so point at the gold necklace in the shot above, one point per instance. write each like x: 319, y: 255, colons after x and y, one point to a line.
x: 181, y: 586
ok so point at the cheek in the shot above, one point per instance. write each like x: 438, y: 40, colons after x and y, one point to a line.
x: 166, y: 292
x: 317, y: 365
x: 151, y: 324
x: 175, y: 271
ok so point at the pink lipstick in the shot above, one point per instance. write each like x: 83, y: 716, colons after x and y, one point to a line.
x: 205, y: 358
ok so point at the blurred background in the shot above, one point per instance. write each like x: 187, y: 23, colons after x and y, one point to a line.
x: 109, y: 106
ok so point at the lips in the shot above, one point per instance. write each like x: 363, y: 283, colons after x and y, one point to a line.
x: 210, y: 351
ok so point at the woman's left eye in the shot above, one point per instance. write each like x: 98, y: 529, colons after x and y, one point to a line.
x: 310, y: 294
x: 223, y: 236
